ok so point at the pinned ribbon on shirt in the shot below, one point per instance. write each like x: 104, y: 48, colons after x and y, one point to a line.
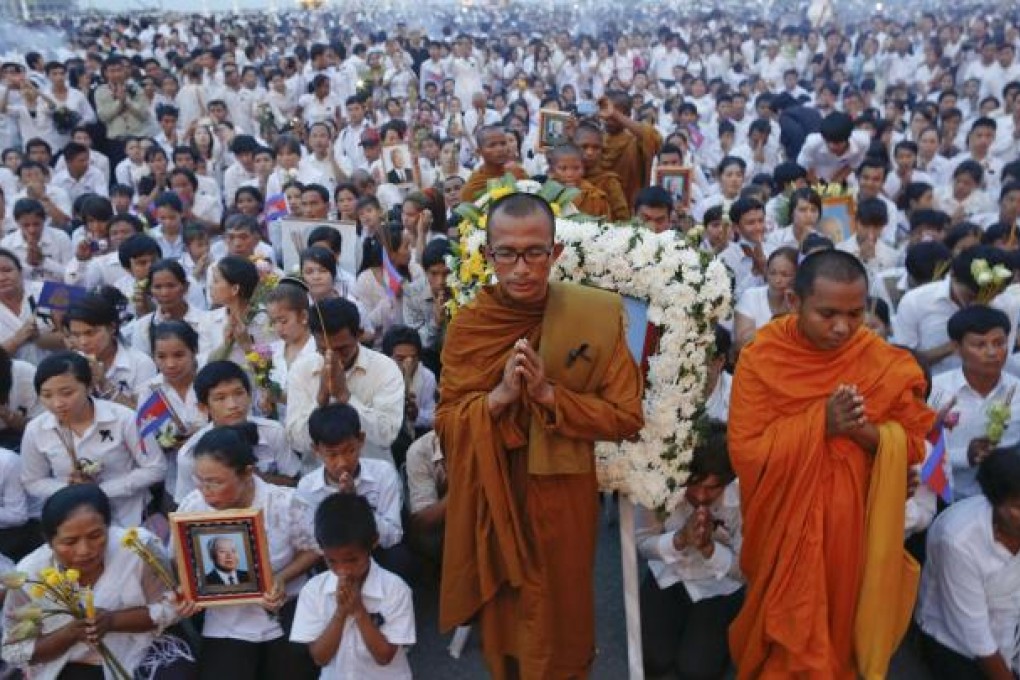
x: 105, y: 436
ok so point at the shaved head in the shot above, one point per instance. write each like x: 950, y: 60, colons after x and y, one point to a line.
x: 519, y: 206
x: 832, y: 265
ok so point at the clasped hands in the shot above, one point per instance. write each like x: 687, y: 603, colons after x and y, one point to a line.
x: 844, y: 412
x: 524, y: 372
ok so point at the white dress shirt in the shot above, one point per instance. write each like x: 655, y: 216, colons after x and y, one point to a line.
x: 56, y: 252
x: 198, y: 319
x: 377, y: 482
x: 186, y: 409
x: 13, y: 499
x: 972, y: 410
x: 377, y: 394
x: 969, y: 598
x: 287, y: 533
x: 815, y: 154
x: 126, y: 470
x: 383, y: 593
x: 92, y: 182
x: 703, y: 578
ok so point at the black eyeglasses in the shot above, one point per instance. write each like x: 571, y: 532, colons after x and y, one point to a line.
x: 510, y: 256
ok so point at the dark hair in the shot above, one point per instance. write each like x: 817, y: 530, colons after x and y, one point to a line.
x: 64, y: 502
x: 4, y: 253
x: 977, y: 319
x: 400, y: 335
x: 229, y: 445
x: 345, y: 519
x: 337, y: 314
x: 320, y: 256
x: 872, y: 211
x: 334, y: 424
x: 815, y: 241
x: 173, y: 267
x: 832, y: 265
x: 6, y: 375
x: 99, y: 308
x: 972, y: 168
x: 435, y: 252
x: 28, y: 206
x: 239, y: 222
x: 836, y: 127
x: 731, y: 160
x: 912, y: 192
x: 711, y: 456
x: 791, y: 255
x: 998, y: 475
x: 239, y: 272
x: 519, y: 205
x: 328, y: 235
x: 63, y: 363
x: 880, y: 308
x: 961, y: 267
x: 290, y: 294
x: 214, y: 374
x: 926, y: 217
x: 96, y: 207
x: 808, y: 195
x: 874, y: 163
x: 174, y: 328
x: 135, y: 246
x: 653, y: 197
x: 742, y: 206
x: 787, y: 172
x: 924, y: 259
x: 169, y: 199
x: 127, y: 218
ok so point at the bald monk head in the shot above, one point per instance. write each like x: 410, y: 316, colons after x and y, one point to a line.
x: 492, y: 147
x: 830, y: 295
x: 588, y: 139
x: 521, y: 235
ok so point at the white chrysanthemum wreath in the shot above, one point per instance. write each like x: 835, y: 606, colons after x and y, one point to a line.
x: 687, y: 292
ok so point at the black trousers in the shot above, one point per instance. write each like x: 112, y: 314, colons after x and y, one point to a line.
x: 946, y: 664
x: 223, y: 658
x: 682, y: 637
x: 16, y: 542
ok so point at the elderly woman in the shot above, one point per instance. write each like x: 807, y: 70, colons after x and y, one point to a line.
x: 133, y: 606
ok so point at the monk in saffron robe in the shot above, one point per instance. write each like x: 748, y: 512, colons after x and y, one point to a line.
x: 819, y: 405
x: 588, y: 139
x: 566, y: 166
x: 495, y: 154
x: 534, y: 373
x: 629, y: 146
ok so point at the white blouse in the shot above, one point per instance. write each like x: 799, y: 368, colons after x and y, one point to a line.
x: 126, y: 470
x: 288, y: 533
x: 126, y: 582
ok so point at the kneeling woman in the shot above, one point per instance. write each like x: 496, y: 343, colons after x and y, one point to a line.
x: 248, y: 641
x: 133, y: 606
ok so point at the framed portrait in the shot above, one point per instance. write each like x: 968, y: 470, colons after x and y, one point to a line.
x: 676, y: 180
x: 552, y: 128
x: 222, y: 557
x: 295, y: 233
x: 400, y: 165
x: 839, y: 218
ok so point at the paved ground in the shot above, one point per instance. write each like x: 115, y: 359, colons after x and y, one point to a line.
x: 431, y: 661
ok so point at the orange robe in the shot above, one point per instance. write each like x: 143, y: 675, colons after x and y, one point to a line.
x: 803, y: 496
x: 609, y: 184
x: 519, y: 547
x: 478, y: 182
x: 630, y: 157
x: 592, y: 201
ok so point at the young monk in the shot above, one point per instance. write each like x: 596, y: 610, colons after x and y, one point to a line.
x: 825, y: 418
x: 566, y: 166
x: 629, y: 146
x: 495, y: 153
x: 588, y: 139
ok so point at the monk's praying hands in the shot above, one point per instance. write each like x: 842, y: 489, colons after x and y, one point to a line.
x: 844, y: 412
x: 532, y: 370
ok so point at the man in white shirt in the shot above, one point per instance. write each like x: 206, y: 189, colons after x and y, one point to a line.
x: 746, y: 257
x: 242, y: 171
x: 924, y: 312
x: 967, y: 603
x: 835, y: 150
x: 43, y: 251
x: 968, y: 393
x: 78, y: 177
x: 694, y: 589
x: 349, y: 374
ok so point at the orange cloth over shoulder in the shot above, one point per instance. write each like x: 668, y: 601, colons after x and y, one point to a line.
x: 803, y: 496
x: 592, y: 201
x: 609, y: 184
x: 478, y: 182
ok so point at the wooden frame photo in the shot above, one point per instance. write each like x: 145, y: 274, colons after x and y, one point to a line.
x: 222, y: 557
x: 838, y: 221
x: 294, y: 233
x: 552, y: 128
x: 400, y: 165
x: 676, y: 180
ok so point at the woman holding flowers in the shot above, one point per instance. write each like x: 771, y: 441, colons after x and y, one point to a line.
x: 113, y: 605
x: 238, y: 290
x: 84, y: 440
x: 250, y: 641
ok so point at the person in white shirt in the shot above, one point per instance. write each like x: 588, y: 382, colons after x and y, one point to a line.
x: 43, y: 251
x: 78, y: 177
x: 968, y: 610
x: 979, y: 334
x: 19, y: 533
x: 249, y: 641
x: 349, y: 374
x: 337, y: 440
x: 745, y: 258
x: 403, y: 345
x: 243, y: 170
x: 924, y: 312
x: 357, y: 618
x: 224, y: 394
x: 758, y: 305
x: 81, y: 440
x: 694, y: 589
x: 835, y: 151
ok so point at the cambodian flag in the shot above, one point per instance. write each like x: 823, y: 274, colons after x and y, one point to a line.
x: 933, y: 472
x: 276, y: 207
x: 153, y: 413
x: 391, y: 277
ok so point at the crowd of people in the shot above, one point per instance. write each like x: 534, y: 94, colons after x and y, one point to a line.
x: 152, y: 169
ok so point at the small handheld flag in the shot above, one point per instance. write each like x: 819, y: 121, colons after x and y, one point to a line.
x: 276, y: 207
x: 933, y: 471
x: 153, y: 413
x: 391, y: 277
